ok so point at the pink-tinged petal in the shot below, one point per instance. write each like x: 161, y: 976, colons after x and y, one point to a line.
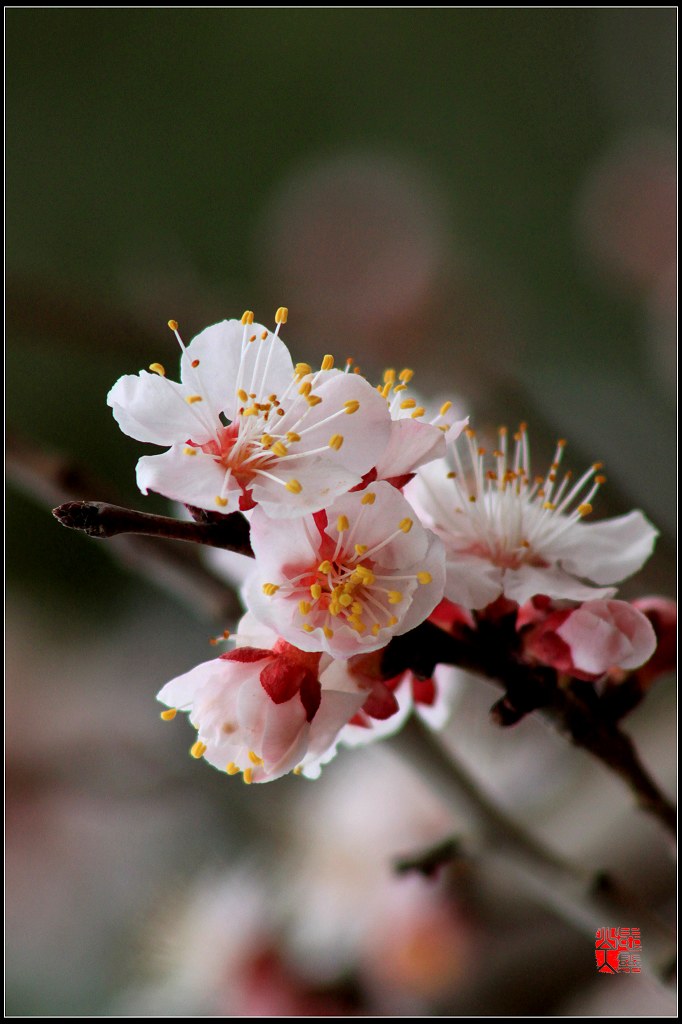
x: 320, y: 479
x: 181, y: 691
x: 266, y: 367
x: 372, y: 524
x: 251, y: 632
x: 253, y: 704
x: 285, y: 737
x: 193, y: 479
x: 609, y: 551
x: 425, y: 596
x: 284, y: 548
x: 522, y: 584
x: 608, y: 634
x: 154, y: 409
x: 470, y: 581
x: 411, y: 444
x: 365, y: 432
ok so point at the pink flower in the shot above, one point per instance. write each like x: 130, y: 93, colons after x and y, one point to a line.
x: 507, y: 533
x: 348, y: 579
x: 588, y: 641
x: 247, y: 427
x: 263, y: 711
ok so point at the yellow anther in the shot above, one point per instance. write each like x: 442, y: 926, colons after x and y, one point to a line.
x: 266, y: 440
x: 393, y: 621
x: 328, y: 363
x: 297, y: 770
x: 600, y: 479
x: 351, y: 406
x: 254, y: 758
x: 443, y: 428
x: 375, y: 629
x: 406, y: 525
x: 242, y: 395
x: 158, y: 368
x: 471, y: 433
x: 418, y: 412
x: 369, y: 498
x: 386, y: 389
x: 424, y: 577
x: 549, y: 505
x: 270, y: 588
x: 293, y: 436
x: 279, y: 449
x: 408, y: 403
x: 304, y: 607
x: 282, y: 315
x: 232, y: 768
x: 303, y: 369
x: 191, y: 399
x: 307, y: 627
x: 394, y: 596
x: 360, y: 549
x: 406, y: 375
x: 222, y: 502
x: 325, y: 567
x: 585, y: 509
x: 335, y: 441
x: 189, y: 451
x: 357, y: 624
x: 357, y: 608
x: 313, y: 399
x: 342, y: 523
x: 316, y: 591
x: 251, y: 411
x: 329, y: 633
x: 197, y: 749
x: 398, y: 388
x: 345, y: 600
x: 293, y: 486
x: 248, y: 776
x: 389, y: 376
x: 263, y: 335
x: 169, y: 714
x: 305, y: 388
x: 247, y: 317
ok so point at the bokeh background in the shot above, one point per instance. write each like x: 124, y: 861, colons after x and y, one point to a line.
x: 487, y: 196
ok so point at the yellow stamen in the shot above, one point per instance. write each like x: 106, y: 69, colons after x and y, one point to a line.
x: 307, y: 627
x: 325, y: 567
x: 329, y: 633
x: 173, y: 324
x: 328, y: 363
x: 248, y: 776
x: 190, y: 451
x: 303, y: 369
x: 369, y: 498
x: 342, y: 523
x: 313, y: 400
x: 270, y: 588
x: 297, y: 770
x: 232, y: 768
x: 406, y: 525
x: 316, y: 591
x: 389, y: 376
x: 408, y: 403
x: 445, y: 407
x: 266, y: 440
x: 335, y: 441
x: 424, y: 577
x: 360, y: 549
x: 191, y: 399
x: 242, y: 395
x: 251, y: 411
x: 263, y: 335
x: 293, y: 486
x: 304, y: 607
x: 393, y: 621
x: 282, y: 315
x: 394, y: 597
x: 549, y: 505
x: 197, y: 749
x: 254, y: 758
x: 222, y: 502
x: 247, y: 317
x: 345, y: 600
x: 585, y: 509
x: 351, y: 406
x: 157, y: 368
x: 418, y: 412
x: 293, y: 436
x: 305, y: 388
x: 169, y: 714
x: 375, y: 629
x: 279, y: 449
x: 406, y: 375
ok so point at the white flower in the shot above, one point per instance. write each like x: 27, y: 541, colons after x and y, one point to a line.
x: 247, y: 427
x: 416, y: 437
x: 347, y: 579
x: 263, y: 710
x: 508, y: 533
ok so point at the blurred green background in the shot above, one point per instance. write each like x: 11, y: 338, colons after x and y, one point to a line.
x: 487, y: 195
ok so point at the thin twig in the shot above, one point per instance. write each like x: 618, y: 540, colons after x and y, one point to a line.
x: 572, y: 706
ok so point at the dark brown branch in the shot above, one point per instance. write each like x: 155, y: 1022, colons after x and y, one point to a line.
x: 572, y: 706
x: 99, y: 519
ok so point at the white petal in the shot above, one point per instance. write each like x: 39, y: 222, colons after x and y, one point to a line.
x: 449, y: 687
x: 425, y: 596
x: 608, y: 634
x: 609, y: 551
x: 471, y: 581
x: 181, y: 691
x: 154, y: 409
x: 378, y: 521
x: 285, y: 548
x: 193, y: 479
x: 528, y: 581
x: 321, y: 481
x: 285, y: 737
x: 410, y: 445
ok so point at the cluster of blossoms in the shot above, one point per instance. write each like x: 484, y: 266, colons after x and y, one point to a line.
x: 367, y: 517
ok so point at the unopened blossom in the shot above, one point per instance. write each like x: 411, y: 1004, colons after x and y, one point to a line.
x: 347, y: 579
x: 417, y: 435
x: 593, y: 638
x: 509, y: 533
x: 248, y: 427
x: 262, y: 710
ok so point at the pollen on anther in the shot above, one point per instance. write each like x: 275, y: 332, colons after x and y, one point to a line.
x: 282, y: 315
x: 191, y: 399
x: 242, y: 395
x: 247, y: 317
x: 416, y: 413
x: 406, y: 375
x: 264, y: 335
x: 190, y: 451
x: 342, y: 523
x: 394, y: 596
x: 316, y: 591
x: 445, y: 407
x: 328, y: 363
x: 369, y: 498
x: 197, y: 749
x: 329, y: 633
x: 600, y: 479
x: 195, y: 363
x: 222, y: 502
x: 325, y: 567
x: 408, y: 403
x: 406, y: 525
x: 293, y: 436
x: 173, y: 324
x: 305, y: 388
x: 303, y: 369
x: 307, y: 628
x: 313, y: 400
x: 304, y: 607
x: 279, y: 449
x: 252, y: 338
x: 360, y: 549
x: 169, y: 714
x: 248, y: 776
x: 232, y: 768
x: 294, y: 486
x: 335, y: 441
x: 254, y: 758
x: 424, y: 577
x: 351, y: 406
x: 270, y: 588
x: 585, y: 509
x: 158, y: 368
